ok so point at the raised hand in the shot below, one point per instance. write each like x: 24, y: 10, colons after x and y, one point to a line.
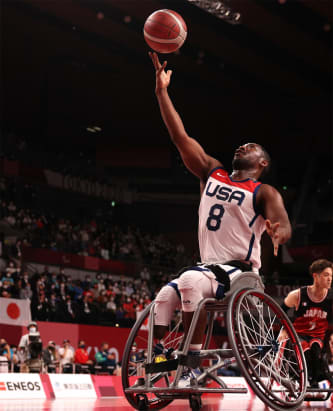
x: 273, y: 232
x: 162, y: 76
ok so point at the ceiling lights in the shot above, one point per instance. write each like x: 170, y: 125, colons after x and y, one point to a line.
x: 218, y: 9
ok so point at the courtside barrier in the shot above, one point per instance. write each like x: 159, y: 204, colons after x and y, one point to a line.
x: 72, y: 386
x: 61, y: 386
x: 21, y: 386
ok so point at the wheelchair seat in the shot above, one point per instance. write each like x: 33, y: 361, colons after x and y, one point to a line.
x: 247, y: 279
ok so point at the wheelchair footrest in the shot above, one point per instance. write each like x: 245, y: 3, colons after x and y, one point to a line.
x: 223, y: 353
x: 164, y: 366
x: 311, y: 390
x: 189, y: 390
x: 318, y: 394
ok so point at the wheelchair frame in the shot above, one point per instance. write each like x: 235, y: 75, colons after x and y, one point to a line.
x: 277, y: 377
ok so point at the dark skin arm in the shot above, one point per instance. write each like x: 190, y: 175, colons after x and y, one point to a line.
x: 200, y: 163
x: 193, y: 155
x: 271, y: 206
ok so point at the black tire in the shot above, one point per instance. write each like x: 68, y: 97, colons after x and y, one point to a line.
x: 254, y: 321
x: 195, y: 402
x: 131, y: 374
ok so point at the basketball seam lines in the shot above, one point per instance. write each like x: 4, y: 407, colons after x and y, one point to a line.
x: 182, y: 33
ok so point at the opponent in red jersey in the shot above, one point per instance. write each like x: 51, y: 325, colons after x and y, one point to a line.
x: 313, y: 314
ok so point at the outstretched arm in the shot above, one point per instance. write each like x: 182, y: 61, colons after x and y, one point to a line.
x: 193, y: 155
x: 277, y: 222
x: 292, y: 299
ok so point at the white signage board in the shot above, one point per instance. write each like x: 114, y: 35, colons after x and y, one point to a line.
x: 21, y: 386
x: 72, y: 386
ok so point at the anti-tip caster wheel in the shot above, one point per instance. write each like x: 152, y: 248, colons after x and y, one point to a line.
x: 142, y: 402
x: 195, y: 402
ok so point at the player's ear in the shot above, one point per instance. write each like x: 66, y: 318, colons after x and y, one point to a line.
x: 263, y: 162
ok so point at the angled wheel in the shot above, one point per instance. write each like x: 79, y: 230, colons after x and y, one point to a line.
x: 195, y: 402
x: 135, y: 358
x: 267, y: 349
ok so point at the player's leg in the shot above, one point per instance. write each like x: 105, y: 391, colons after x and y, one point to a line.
x: 307, y: 354
x: 166, y: 302
x: 195, y: 285
x: 316, y: 346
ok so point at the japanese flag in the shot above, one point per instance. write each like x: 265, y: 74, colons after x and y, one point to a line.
x: 14, y: 311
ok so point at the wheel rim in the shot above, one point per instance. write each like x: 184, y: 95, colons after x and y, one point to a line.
x: 134, y: 361
x: 275, y: 370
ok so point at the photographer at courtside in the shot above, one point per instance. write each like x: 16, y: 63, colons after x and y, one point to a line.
x: 31, y: 347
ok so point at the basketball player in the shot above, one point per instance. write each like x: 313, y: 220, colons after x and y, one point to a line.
x: 313, y: 313
x: 235, y: 209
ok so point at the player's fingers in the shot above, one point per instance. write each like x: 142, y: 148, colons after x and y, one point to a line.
x: 161, y: 68
x: 276, y: 249
x: 169, y: 72
x: 153, y: 59
x: 156, y: 61
x: 276, y: 243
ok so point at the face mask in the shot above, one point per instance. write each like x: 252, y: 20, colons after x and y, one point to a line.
x: 82, y: 346
x: 32, y: 329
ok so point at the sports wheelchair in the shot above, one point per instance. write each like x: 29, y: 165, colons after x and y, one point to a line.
x: 274, y: 369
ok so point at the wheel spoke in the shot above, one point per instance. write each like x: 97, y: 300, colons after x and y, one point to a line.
x: 255, y: 322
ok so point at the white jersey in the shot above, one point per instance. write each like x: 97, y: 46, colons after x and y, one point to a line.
x: 230, y: 227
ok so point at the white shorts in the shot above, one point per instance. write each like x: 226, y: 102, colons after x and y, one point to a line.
x: 187, y: 291
x: 167, y: 302
x: 194, y: 285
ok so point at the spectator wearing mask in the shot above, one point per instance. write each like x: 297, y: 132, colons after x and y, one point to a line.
x: 82, y: 358
x: 66, y: 357
x: 50, y: 357
x: 4, y: 364
x: 69, y: 309
x: 105, y: 359
x: 8, y: 351
x: 10, y: 357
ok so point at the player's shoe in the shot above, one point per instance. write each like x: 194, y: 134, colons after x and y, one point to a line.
x: 161, y: 353
x: 188, y: 376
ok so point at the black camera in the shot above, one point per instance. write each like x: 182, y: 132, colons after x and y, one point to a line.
x: 35, y: 346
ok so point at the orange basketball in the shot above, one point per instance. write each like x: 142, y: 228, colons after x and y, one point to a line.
x: 165, y: 31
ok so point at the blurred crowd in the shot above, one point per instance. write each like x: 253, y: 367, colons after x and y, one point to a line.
x: 88, y: 235
x: 98, y: 299
x: 34, y: 357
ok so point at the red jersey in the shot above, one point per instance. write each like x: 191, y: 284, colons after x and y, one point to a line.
x: 312, y: 317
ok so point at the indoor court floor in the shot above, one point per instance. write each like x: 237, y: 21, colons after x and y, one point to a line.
x: 210, y: 403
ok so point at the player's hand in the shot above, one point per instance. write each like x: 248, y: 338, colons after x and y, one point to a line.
x: 283, y: 336
x: 162, y: 76
x: 274, y: 232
